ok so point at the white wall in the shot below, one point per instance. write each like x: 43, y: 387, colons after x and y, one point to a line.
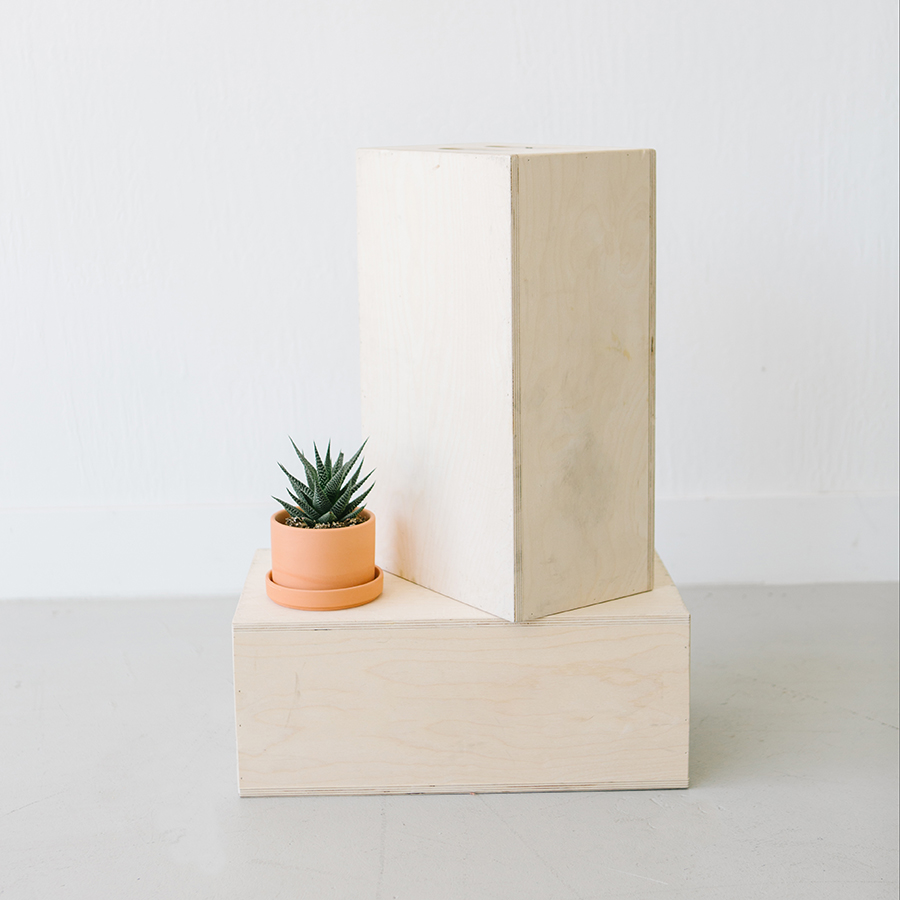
x: 177, y: 260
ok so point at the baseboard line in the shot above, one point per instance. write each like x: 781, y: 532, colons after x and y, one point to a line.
x: 202, y: 550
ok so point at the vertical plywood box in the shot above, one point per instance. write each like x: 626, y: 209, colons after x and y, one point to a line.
x: 507, y: 300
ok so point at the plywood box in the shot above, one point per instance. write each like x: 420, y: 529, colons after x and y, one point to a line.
x: 507, y: 302
x: 418, y: 693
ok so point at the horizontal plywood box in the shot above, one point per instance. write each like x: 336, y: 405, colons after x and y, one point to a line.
x: 507, y: 301
x: 418, y: 693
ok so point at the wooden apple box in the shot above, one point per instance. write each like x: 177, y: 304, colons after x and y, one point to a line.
x: 418, y: 693
x: 507, y: 302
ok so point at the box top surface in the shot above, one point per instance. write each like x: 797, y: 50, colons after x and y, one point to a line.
x: 404, y: 604
x: 506, y: 149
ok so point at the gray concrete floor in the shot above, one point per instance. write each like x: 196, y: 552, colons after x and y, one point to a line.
x: 118, y: 772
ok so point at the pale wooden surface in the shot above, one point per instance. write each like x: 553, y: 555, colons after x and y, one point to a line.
x: 436, y: 359
x: 584, y: 413
x: 401, y: 603
x: 404, y: 603
x: 506, y: 316
x: 419, y: 693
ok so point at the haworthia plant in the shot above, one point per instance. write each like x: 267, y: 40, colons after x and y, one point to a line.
x: 331, y: 492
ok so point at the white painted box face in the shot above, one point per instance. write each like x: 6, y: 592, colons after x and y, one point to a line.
x: 507, y: 324
x: 418, y: 693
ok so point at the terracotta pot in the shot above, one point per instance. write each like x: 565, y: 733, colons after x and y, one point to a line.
x: 322, y: 559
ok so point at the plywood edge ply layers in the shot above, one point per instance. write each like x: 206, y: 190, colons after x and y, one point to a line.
x: 507, y: 323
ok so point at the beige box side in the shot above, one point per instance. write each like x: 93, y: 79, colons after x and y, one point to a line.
x: 418, y: 693
x: 585, y: 273
x: 462, y: 708
x: 435, y: 258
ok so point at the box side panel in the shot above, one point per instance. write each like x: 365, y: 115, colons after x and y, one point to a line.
x: 462, y: 708
x: 584, y: 421
x: 653, y: 561
x: 435, y: 320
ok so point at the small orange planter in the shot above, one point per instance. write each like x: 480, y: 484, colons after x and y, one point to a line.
x: 323, y: 568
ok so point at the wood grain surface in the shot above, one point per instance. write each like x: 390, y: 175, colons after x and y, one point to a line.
x: 419, y: 693
x: 404, y: 603
x: 584, y: 410
x: 507, y: 323
x: 436, y: 336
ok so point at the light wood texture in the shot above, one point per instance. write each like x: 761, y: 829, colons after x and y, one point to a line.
x: 436, y: 357
x: 584, y: 397
x: 507, y: 323
x: 419, y: 693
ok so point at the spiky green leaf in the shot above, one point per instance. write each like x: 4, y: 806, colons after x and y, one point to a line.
x: 354, y: 481
x: 305, y: 505
x: 358, y: 503
x: 347, y: 492
x: 296, y: 483
x: 340, y: 507
x: 320, y: 500
x: 352, y: 460
x: 347, y: 466
x: 292, y: 510
x: 311, y: 474
x: 320, y: 466
x: 335, y: 484
x: 300, y: 488
x: 347, y: 500
x: 332, y: 490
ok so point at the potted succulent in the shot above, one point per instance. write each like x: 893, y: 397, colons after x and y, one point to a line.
x: 323, y: 543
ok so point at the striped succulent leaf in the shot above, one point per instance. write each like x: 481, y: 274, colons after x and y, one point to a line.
x: 331, y: 492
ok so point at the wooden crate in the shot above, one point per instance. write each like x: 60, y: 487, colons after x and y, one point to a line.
x: 418, y: 693
x: 507, y: 300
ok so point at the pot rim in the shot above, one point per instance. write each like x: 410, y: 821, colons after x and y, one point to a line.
x: 369, y: 516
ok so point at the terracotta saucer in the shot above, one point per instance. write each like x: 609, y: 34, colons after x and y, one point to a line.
x: 342, y: 598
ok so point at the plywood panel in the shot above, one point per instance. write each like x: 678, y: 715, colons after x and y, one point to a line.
x: 435, y: 322
x: 460, y: 706
x: 420, y: 693
x: 584, y: 411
